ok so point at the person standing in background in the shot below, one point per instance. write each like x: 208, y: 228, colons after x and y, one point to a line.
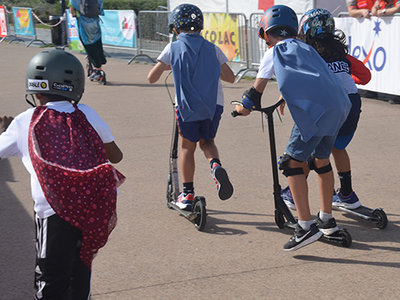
x: 385, y: 8
x: 87, y: 13
x: 360, y: 8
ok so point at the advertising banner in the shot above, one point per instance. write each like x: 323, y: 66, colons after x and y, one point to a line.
x: 23, y: 21
x: 374, y: 43
x: 222, y: 30
x: 118, y: 28
x: 3, y: 22
x: 73, y: 34
x: 204, y: 5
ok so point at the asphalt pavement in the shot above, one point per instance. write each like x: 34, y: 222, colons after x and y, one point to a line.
x: 156, y: 254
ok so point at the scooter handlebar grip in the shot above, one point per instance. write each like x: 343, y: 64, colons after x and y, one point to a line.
x: 235, y: 113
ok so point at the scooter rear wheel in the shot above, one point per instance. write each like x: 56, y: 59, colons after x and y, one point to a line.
x: 381, y: 218
x: 199, y: 208
x: 169, y: 192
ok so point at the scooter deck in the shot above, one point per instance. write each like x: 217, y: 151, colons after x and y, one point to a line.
x: 341, y: 237
x: 362, y: 211
x: 190, y: 215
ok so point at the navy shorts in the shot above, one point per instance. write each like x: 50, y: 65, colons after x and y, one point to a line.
x: 342, y: 141
x: 204, y: 129
x: 350, y: 125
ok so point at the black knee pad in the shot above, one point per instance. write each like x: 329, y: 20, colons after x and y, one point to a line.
x: 322, y: 170
x: 284, y: 166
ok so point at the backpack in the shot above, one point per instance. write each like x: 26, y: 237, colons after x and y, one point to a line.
x: 89, y: 8
x: 77, y: 180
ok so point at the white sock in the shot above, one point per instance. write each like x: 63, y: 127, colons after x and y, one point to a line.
x: 324, y: 216
x: 305, y: 224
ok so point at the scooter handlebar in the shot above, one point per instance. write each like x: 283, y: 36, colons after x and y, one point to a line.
x: 268, y: 109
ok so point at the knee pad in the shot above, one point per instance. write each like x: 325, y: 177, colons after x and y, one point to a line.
x: 284, y: 166
x: 322, y: 170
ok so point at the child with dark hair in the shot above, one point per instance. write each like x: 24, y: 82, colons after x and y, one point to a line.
x: 317, y: 28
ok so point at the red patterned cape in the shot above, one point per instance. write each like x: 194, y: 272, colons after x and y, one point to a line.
x: 76, y: 177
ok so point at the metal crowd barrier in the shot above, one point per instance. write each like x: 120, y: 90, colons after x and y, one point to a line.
x: 153, y: 36
x: 153, y: 33
x: 256, y: 46
x: 239, y: 39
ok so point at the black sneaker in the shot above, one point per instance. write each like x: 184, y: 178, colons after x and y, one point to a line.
x: 302, y: 237
x: 327, y: 228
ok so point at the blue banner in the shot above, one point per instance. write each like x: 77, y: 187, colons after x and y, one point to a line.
x: 23, y: 21
x: 118, y: 28
x: 73, y: 33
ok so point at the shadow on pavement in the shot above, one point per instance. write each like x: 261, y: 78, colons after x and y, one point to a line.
x: 17, y: 241
x: 346, y: 261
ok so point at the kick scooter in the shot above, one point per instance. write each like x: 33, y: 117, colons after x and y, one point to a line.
x: 377, y: 216
x: 198, y: 213
x: 89, y: 67
x: 283, y: 216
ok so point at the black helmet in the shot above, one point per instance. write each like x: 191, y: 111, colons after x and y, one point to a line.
x: 317, y: 23
x: 55, y: 72
x: 186, y: 17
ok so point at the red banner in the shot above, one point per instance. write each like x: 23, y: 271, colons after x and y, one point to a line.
x: 265, y: 4
x: 3, y: 22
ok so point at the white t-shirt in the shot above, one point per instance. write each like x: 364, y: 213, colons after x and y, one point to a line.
x: 165, y: 58
x: 266, y: 69
x: 14, y: 142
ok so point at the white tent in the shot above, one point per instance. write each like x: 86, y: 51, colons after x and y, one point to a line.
x: 252, y: 6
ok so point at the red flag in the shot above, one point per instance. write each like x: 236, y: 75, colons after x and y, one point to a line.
x: 265, y: 4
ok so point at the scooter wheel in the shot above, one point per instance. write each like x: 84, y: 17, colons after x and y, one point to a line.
x: 381, y: 218
x: 345, y: 237
x: 169, y: 192
x: 279, y: 219
x: 199, y: 208
x: 103, y: 80
x: 89, y: 67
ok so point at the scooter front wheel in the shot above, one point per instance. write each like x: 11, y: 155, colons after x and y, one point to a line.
x: 346, y: 238
x: 279, y: 219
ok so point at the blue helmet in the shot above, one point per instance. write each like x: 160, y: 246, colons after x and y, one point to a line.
x: 278, y: 16
x: 187, y: 17
x: 317, y: 23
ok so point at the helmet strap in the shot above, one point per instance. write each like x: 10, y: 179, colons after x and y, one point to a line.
x: 33, y: 102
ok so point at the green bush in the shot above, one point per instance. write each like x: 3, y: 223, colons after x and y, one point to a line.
x: 44, y: 8
x: 136, y: 5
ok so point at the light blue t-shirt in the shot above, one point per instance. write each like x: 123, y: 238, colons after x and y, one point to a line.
x: 316, y: 99
x: 89, y: 28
